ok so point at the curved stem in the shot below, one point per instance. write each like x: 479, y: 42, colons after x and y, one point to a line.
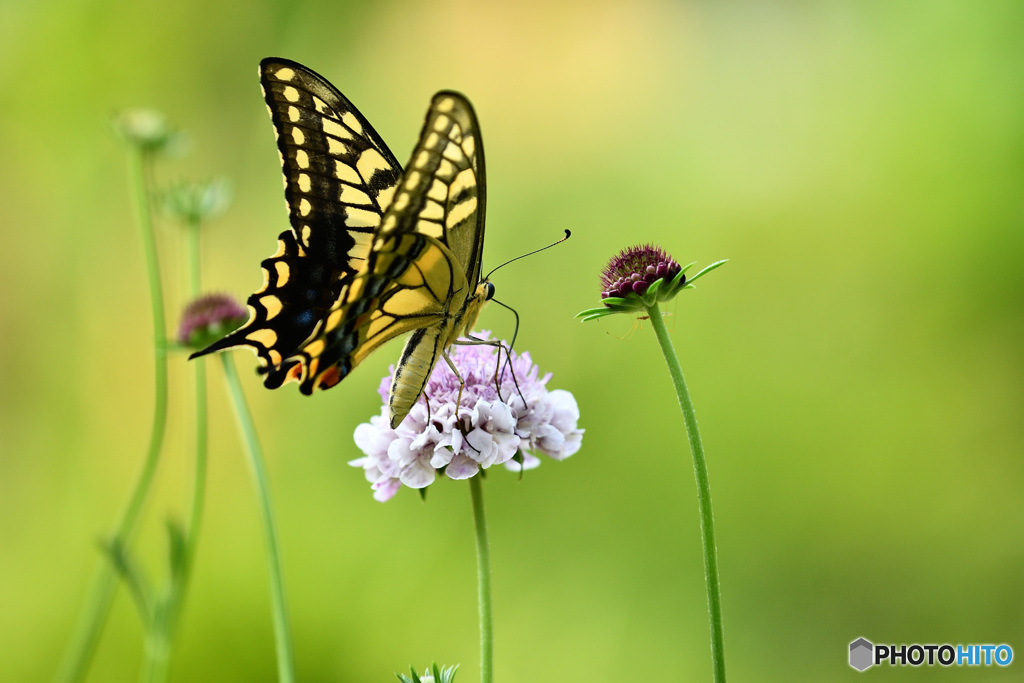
x: 483, y: 569
x: 278, y: 603
x: 700, y: 470
x: 79, y: 655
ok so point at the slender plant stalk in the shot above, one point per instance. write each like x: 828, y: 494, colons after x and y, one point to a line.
x: 164, y: 624
x: 278, y: 604
x: 201, y: 422
x: 700, y: 470
x: 87, y: 633
x: 483, y: 571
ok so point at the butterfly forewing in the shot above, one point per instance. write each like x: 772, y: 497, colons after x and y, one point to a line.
x: 339, y: 177
x: 423, y: 267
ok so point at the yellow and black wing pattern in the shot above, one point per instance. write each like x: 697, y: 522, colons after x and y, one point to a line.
x: 416, y: 270
x: 339, y: 177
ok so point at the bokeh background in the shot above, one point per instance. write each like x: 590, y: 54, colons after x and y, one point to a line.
x: 857, y: 366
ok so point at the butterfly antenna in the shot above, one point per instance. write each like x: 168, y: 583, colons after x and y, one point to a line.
x: 535, y: 251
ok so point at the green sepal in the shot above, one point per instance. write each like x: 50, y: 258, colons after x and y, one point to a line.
x: 440, y: 675
x: 177, y: 550
x: 708, y: 269
x: 131, y: 574
x: 660, y: 291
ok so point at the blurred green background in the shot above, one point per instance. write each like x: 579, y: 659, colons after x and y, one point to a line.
x: 857, y: 366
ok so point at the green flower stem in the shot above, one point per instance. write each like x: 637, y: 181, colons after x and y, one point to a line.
x: 202, y: 424
x: 165, y: 621
x: 78, y: 657
x: 483, y: 570
x: 700, y: 470
x: 278, y: 604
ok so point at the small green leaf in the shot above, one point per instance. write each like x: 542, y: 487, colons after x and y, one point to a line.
x: 177, y: 549
x: 130, y: 573
x: 708, y: 269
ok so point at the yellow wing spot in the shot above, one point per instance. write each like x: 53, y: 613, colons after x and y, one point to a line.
x: 304, y: 182
x: 446, y: 105
x: 263, y: 336
x: 336, y: 147
x: 389, y: 224
x: 352, y: 122
x: 433, y: 141
x: 464, y: 181
x: 297, y: 137
x: 469, y: 145
x: 441, y: 123
x: 384, y: 198
x: 400, y: 203
x: 306, y: 232
x: 334, y: 128
x: 361, y: 218
x: 285, y: 73
x: 445, y: 170
x: 361, y: 250
x: 280, y: 249
x: 290, y: 94
x: 272, y: 304
x: 283, y: 273
x: 431, y: 228
x: 412, y: 180
x: 353, y: 195
x: 354, y: 290
x: 305, y: 207
x: 461, y: 212
x: 454, y: 154
x: 346, y: 173
x: 369, y: 162
x: 301, y: 158
x: 423, y: 159
x: 334, y: 319
x: 438, y: 191
x: 293, y: 114
x: 432, y: 211
x: 320, y: 106
x: 314, y: 348
x: 275, y: 356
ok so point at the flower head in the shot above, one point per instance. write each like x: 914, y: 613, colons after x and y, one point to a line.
x: 503, y: 418
x: 148, y: 129
x: 209, y: 318
x: 634, y: 270
x: 640, y: 277
x: 194, y: 202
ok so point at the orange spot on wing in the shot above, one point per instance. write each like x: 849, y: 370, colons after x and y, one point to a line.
x: 330, y: 377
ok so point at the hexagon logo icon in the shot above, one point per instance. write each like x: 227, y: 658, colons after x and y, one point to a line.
x: 861, y: 654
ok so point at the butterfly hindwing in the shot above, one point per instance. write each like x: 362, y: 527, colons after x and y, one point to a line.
x: 339, y: 177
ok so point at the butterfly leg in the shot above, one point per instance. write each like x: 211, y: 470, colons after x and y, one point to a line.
x: 474, y: 341
x: 462, y: 382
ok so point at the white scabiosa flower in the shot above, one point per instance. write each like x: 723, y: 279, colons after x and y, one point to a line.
x: 503, y: 418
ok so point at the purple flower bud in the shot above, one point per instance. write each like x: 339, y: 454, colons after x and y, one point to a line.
x: 633, y: 271
x: 208, y: 318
